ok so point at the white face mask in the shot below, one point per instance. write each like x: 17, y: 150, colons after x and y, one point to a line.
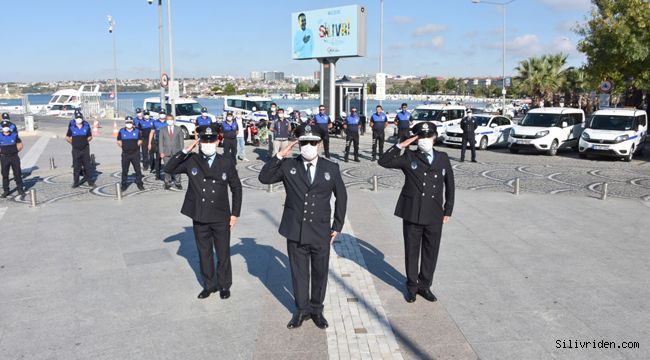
x: 146, y: 117
x: 209, y: 149
x: 425, y: 145
x: 309, y: 152
x: 78, y: 121
x: 170, y: 122
x: 229, y: 119
x: 204, y: 114
x: 5, y: 129
x: 129, y: 126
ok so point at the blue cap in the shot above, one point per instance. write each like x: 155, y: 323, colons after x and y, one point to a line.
x: 138, y: 110
x: 78, y: 114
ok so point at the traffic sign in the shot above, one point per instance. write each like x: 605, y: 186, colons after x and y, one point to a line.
x: 174, y: 91
x: 380, y: 86
x: 606, y: 86
x: 164, y: 80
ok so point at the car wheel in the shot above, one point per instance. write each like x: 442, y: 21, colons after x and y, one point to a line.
x: 186, y: 134
x: 583, y: 156
x: 514, y: 151
x: 553, y: 150
x: 483, y: 144
x: 630, y: 155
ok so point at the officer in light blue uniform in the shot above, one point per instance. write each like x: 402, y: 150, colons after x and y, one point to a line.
x: 10, y: 146
x: 229, y: 131
x: 403, y: 123
x: 378, y: 122
x: 145, y: 126
x: 324, y: 122
x: 351, y: 126
x: 80, y: 135
x: 201, y: 121
x: 154, y: 137
x: 129, y: 139
x: 139, y: 116
x: 12, y: 126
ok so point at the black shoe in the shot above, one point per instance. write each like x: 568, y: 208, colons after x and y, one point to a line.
x: 297, y: 320
x: 91, y: 184
x: 461, y: 160
x: 357, y: 160
x: 224, y: 294
x: 141, y: 187
x: 124, y: 187
x: 205, y: 293
x: 21, y: 192
x: 179, y: 186
x: 427, y: 294
x: 474, y: 160
x: 4, y: 194
x: 320, y: 321
x: 346, y: 159
x: 373, y: 159
x: 167, y: 186
x: 410, y: 297
x: 75, y: 185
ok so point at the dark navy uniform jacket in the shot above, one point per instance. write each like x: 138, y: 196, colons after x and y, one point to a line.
x: 206, y: 199
x: 403, y: 119
x: 469, y: 125
x: 428, y: 192
x: 129, y: 139
x: 352, y: 122
x: 203, y: 121
x: 229, y: 130
x: 379, y: 121
x: 307, y: 212
x: 79, y: 135
x: 9, y: 143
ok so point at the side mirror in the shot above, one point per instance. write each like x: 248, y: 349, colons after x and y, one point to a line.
x: 639, y: 128
x: 493, y: 125
x: 254, y: 108
x: 564, y: 124
x: 443, y: 119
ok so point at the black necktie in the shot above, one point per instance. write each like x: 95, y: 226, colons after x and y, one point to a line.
x: 309, y: 165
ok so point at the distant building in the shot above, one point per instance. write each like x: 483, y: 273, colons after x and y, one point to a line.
x: 257, y: 76
x: 316, y: 75
x: 273, y: 76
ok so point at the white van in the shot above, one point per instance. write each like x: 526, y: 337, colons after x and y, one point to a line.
x: 251, y: 107
x: 442, y: 115
x: 187, y: 110
x: 547, y: 130
x: 615, y: 132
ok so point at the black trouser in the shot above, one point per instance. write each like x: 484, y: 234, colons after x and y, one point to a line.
x: 81, y: 159
x: 472, y: 144
x: 147, y: 157
x: 11, y: 162
x: 305, y: 259
x: 403, y: 134
x: 230, y: 148
x: 425, y: 238
x: 352, y: 138
x: 157, y: 161
x: 362, y: 126
x: 377, y: 137
x: 132, y: 158
x: 326, y: 139
x: 210, y: 236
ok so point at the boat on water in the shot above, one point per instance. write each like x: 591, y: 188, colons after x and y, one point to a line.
x: 64, y: 102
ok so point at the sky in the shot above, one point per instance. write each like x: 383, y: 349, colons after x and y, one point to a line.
x: 69, y: 40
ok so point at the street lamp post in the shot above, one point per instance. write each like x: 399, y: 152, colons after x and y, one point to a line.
x: 171, y: 57
x: 160, y: 49
x: 503, y: 79
x: 381, y: 40
x: 111, y: 28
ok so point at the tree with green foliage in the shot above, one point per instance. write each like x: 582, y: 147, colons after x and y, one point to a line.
x: 542, y: 77
x: 430, y: 85
x: 451, y: 86
x: 230, y: 89
x: 616, y: 41
x: 302, y: 87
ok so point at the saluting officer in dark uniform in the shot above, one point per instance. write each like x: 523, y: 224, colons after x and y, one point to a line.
x: 421, y: 204
x: 351, y: 126
x: 468, y: 124
x: 10, y: 146
x: 378, y: 123
x: 309, y: 181
x: 79, y: 135
x: 324, y: 122
x: 229, y: 132
x: 206, y: 202
x: 129, y: 139
x: 145, y: 126
x: 12, y: 126
x: 403, y: 123
x: 154, y: 139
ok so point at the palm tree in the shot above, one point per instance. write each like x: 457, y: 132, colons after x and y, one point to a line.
x: 543, y: 77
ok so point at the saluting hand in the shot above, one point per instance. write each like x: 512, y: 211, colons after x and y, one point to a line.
x: 191, y: 147
x: 333, y: 237
x: 287, y: 150
x: 404, y: 144
x: 446, y: 219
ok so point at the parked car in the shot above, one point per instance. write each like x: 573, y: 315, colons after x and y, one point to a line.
x: 442, y: 115
x: 547, y: 130
x: 491, y: 130
x: 615, y: 132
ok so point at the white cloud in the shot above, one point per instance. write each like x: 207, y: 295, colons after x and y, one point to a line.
x: 566, y: 26
x: 397, y: 46
x: 583, y: 5
x: 402, y: 20
x: 435, y: 42
x: 429, y: 29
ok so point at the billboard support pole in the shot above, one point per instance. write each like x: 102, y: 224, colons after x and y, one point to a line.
x: 328, y: 84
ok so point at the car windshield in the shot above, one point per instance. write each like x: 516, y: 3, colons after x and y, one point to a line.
x: 540, y: 120
x: 56, y: 107
x: 262, y: 105
x: 482, y: 120
x: 612, y: 122
x: 425, y: 114
x: 188, y: 109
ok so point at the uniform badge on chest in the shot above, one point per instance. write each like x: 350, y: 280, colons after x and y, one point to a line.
x: 292, y: 171
x: 224, y: 176
x: 327, y: 176
x: 443, y: 172
x: 195, y: 171
x: 414, y: 165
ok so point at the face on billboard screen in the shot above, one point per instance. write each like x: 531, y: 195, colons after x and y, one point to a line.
x: 333, y: 32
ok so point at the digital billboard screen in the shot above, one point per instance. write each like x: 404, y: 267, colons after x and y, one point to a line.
x: 327, y: 33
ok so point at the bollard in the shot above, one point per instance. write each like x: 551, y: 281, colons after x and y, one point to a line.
x: 375, y: 183
x: 516, y: 190
x: 118, y: 191
x: 32, y: 197
x: 270, y: 188
x: 52, y: 167
x: 603, y: 195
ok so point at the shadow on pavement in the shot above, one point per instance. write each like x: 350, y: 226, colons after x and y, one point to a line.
x: 188, y: 250
x: 270, y: 266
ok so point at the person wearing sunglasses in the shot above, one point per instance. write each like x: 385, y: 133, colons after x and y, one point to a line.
x: 309, y: 182
x: 324, y: 122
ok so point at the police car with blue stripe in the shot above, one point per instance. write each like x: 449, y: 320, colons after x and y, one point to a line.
x: 187, y: 110
x: 443, y: 115
x: 615, y: 132
x: 491, y: 130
